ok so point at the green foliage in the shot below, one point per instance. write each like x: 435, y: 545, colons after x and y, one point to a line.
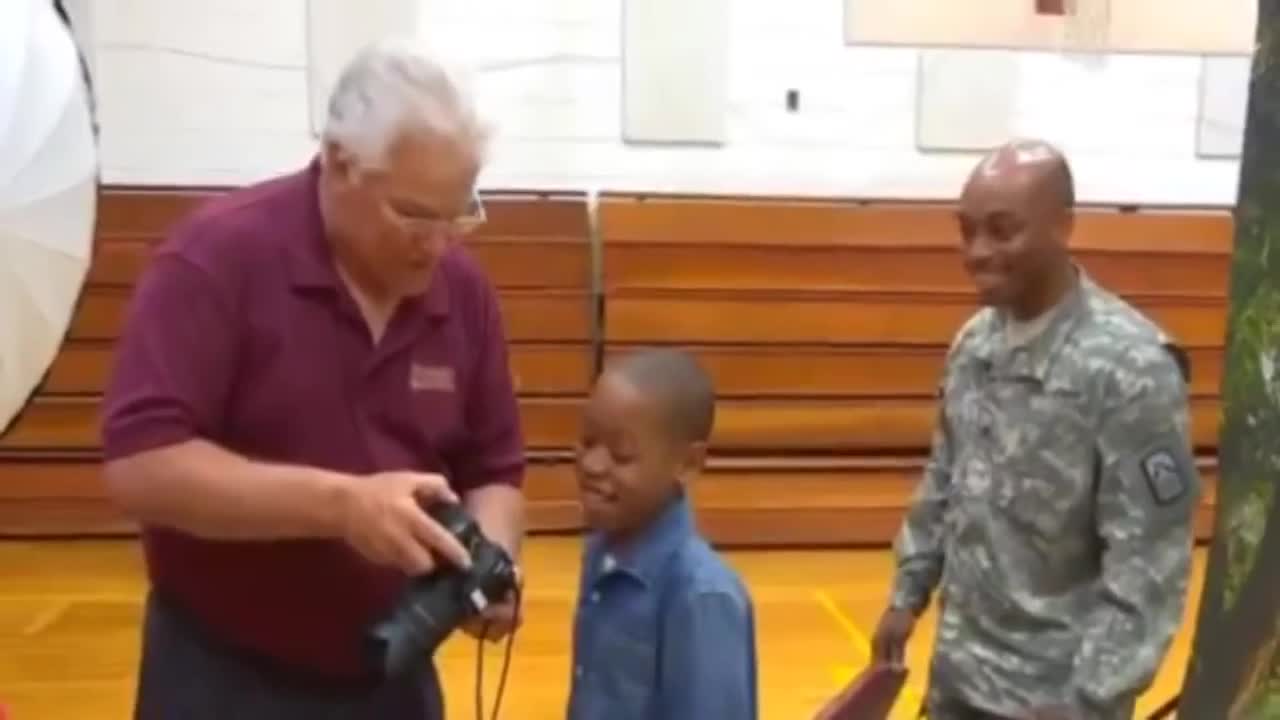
x: 1236, y: 669
x: 1251, y: 380
x: 1247, y: 524
x: 1265, y: 56
x: 1264, y: 705
x: 1263, y: 700
x: 1251, y: 389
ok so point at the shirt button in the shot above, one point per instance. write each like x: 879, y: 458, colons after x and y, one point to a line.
x: 577, y: 671
x: 595, y: 597
x: 608, y: 563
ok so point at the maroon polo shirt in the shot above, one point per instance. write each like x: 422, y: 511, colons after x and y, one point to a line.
x: 240, y: 332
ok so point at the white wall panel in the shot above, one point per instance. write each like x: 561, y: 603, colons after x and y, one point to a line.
x: 675, y: 70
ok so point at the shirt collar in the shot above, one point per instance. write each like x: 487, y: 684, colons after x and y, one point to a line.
x: 645, y: 556
x: 1035, y: 358
x: 311, y: 260
x: 311, y: 263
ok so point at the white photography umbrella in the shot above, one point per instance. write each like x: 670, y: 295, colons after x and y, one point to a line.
x: 48, y: 184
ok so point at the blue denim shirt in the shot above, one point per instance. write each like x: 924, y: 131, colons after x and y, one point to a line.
x: 664, y: 630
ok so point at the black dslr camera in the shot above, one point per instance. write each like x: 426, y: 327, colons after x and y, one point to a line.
x: 434, y: 605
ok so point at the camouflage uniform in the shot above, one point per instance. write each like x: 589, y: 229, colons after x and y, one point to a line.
x: 1055, y: 511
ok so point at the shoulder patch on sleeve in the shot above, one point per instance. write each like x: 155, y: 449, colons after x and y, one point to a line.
x: 1164, y: 476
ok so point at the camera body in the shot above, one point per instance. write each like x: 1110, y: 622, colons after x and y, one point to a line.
x: 434, y: 605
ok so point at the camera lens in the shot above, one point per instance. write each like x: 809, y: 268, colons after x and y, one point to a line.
x: 432, y: 606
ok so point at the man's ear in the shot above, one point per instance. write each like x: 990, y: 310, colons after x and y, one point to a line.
x: 1063, y: 225
x: 692, y: 462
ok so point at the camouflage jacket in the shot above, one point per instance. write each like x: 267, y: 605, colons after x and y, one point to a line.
x: 1055, y: 514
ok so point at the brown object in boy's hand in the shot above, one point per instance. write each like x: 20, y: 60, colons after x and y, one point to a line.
x: 870, y: 696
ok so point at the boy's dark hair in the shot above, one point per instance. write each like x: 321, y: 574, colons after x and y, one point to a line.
x: 681, y: 386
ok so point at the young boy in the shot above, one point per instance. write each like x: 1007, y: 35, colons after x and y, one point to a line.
x: 664, y: 629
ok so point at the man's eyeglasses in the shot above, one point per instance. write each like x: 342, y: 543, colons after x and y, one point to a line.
x: 412, y: 214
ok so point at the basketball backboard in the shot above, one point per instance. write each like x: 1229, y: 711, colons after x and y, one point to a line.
x: 1201, y: 27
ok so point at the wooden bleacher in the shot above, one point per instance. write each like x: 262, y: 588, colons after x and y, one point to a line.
x: 536, y: 248
x: 825, y: 324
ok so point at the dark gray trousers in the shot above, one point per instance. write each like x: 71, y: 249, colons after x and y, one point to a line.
x: 184, y: 676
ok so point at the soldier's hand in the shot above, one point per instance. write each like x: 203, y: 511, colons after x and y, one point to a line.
x: 892, y: 632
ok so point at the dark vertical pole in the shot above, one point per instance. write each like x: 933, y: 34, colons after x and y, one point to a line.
x: 84, y: 66
x: 1234, y: 672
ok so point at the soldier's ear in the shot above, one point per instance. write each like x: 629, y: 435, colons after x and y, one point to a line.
x: 1181, y: 358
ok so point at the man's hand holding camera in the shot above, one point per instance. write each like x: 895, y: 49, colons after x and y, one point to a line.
x: 498, y: 620
x: 382, y: 518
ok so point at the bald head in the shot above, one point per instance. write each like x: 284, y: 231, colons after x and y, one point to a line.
x: 1034, y: 162
x: 1016, y: 219
x: 682, y: 390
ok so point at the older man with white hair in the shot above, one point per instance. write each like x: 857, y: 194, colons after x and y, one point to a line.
x: 306, y: 362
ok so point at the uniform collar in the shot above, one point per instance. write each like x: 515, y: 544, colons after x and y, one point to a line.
x: 1035, y: 358
x: 645, y: 556
x: 311, y: 261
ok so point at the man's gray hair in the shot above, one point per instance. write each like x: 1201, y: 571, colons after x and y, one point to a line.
x: 390, y: 87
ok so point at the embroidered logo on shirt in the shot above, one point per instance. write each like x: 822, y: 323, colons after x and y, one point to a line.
x: 437, y: 378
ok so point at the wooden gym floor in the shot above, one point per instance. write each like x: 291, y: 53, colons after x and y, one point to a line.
x: 69, y: 613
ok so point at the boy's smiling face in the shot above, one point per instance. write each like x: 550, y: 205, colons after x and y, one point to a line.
x: 628, y: 465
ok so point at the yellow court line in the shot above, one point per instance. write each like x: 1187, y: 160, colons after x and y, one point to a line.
x: 859, y: 640
x: 856, y: 636
x: 46, y: 618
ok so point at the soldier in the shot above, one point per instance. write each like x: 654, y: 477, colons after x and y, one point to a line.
x: 1055, y: 513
